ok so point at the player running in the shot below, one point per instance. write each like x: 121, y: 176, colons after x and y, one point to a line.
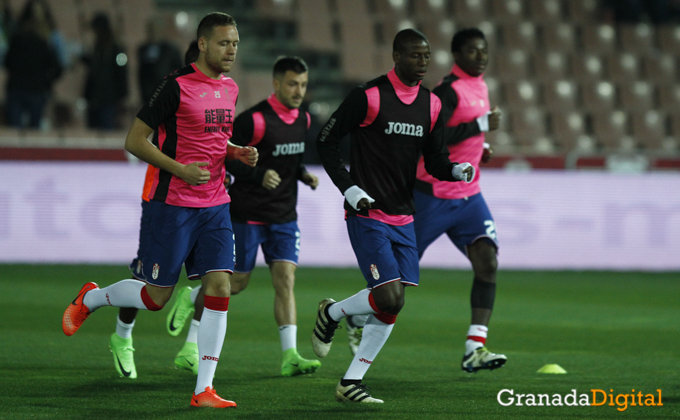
x: 391, y: 121
x: 458, y: 209
x: 189, y: 208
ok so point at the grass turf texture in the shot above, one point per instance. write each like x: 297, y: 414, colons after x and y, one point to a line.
x: 617, y: 331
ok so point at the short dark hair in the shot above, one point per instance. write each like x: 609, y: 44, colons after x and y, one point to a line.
x: 462, y: 36
x: 192, y: 53
x: 292, y: 63
x: 405, y: 36
x: 210, y: 21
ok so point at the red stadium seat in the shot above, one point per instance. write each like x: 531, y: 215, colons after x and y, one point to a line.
x: 470, y: 12
x: 510, y: 65
x: 519, y: 36
x: 567, y: 127
x: 528, y: 124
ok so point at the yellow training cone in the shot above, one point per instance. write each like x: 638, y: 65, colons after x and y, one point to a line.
x: 551, y: 369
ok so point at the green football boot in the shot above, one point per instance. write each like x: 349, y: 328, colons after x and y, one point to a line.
x: 293, y: 364
x: 181, y: 310
x: 123, y: 358
x: 187, y: 358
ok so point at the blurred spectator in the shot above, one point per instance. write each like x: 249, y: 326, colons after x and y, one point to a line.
x: 107, y: 80
x: 157, y: 59
x: 7, y: 25
x: 636, y: 11
x: 33, y: 65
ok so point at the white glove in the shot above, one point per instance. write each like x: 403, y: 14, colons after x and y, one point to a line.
x: 483, y: 122
x: 354, y: 194
x: 458, y: 174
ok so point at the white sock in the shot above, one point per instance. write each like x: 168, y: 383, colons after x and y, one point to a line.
x: 124, y: 330
x: 358, y: 321
x: 192, y: 336
x: 353, y: 305
x: 476, y: 337
x: 194, y: 294
x: 373, y: 339
x: 124, y: 294
x: 288, y: 334
x: 211, y: 334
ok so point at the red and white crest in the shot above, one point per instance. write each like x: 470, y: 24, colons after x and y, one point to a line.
x: 374, y: 271
x: 154, y: 271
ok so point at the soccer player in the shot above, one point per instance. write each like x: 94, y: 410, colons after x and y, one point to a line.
x: 189, y: 208
x: 121, y: 341
x: 264, y: 200
x: 391, y: 120
x: 458, y: 209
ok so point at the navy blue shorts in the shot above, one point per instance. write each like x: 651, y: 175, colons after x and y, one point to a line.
x: 385, y: 253
x: 463, y: 220
x: 200, y: 237
x: 280, y: 242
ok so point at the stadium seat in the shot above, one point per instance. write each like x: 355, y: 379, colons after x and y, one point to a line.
x: 521, y: 94
x: 432, y: 7
x: 470, y: 12
x: 559, y: 37
x: 623, y: 68
x: 277, y: 9
x: 561, y: 95
x: 501, y: 141
x: 439, y: 31
x: 582, y: 10
x: 528, y: 124
x: 546, y: 10
x: 550, y: 66
x: 587, y: 67
x: 315, y: 26
x: 519, y: 36
x: 637, y: 96
x: 599, y: 96
x: 649, y: 128
x: 508, y: 11
x: 567, y: 127
x: 661, y: 68
x: 357, y: 46
x: 510, y: 65
x: 674, y: 123
x: 668, y: 38
x: 636, y: 38
x: 543, y: 146
x: 389, y: 9
x: 495, y: 94
x: 610, y: 129
x: 598, y: 38
x: 669, y: 96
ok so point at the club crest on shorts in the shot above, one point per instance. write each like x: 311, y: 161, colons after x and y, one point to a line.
x: 374, y: 272
x: 154, y: 271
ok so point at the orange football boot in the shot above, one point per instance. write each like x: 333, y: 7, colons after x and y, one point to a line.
x: 209, y: 398
x: 77, y: 313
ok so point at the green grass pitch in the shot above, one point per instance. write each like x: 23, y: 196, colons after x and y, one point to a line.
x: 609, y: 330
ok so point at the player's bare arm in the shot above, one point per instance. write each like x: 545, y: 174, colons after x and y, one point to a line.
x: 136, y: 143
x: 248, y: 154
x: 311, y: 180
x: 271, y: 179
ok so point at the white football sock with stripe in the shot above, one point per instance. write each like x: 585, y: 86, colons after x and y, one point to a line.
x: 210, y: 340
x: 124, y: 294
x: 353, y: 305
x: 288, y: 335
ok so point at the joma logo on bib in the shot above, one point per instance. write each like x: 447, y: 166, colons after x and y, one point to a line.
x: 289, y: 149
x: 405, y: 129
